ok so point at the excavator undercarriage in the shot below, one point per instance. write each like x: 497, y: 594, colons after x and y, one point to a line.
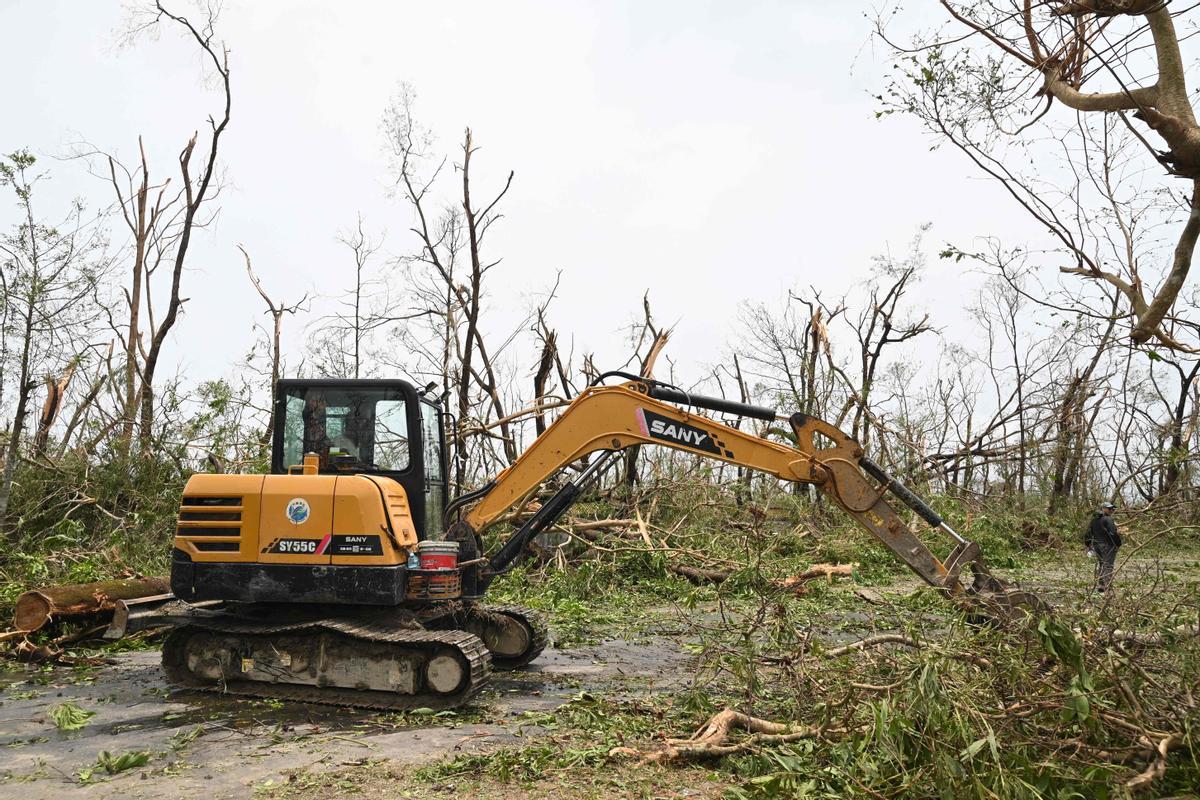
x: 437, y: 657
x: 312, y: 583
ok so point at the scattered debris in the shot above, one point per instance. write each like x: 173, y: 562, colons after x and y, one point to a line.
x: 872, y: 596
x: 70, y: 717
x: 700, y: 576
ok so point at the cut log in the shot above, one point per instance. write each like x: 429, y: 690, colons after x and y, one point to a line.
x: 699, y: 576
x: 36, y: 608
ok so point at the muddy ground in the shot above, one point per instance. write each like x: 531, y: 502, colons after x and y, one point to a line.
x: 212, y: 746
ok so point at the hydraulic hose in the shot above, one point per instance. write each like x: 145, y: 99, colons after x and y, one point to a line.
x: 546, y: 516
x: 463, y: 499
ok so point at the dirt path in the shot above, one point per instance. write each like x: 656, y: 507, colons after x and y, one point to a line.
x: 217, y: 747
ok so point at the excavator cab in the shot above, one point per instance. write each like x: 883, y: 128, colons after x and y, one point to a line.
x: 357, y: 480
x: 366, y: 427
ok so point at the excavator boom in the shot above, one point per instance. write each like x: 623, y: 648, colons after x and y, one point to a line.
x: 608, y: 419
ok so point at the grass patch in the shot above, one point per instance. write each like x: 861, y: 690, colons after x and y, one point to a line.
x: 379, y: 779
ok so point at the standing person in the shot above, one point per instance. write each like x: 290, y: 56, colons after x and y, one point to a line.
x: 1103, y: 539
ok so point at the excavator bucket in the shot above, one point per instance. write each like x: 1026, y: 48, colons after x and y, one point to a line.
x: 992, y: 599
x: 840, y: 469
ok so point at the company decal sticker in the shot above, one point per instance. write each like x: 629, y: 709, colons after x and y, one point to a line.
x: 298, y: 511
x: 299, y: 547
x: 665, y: 429
x: 356, y: 545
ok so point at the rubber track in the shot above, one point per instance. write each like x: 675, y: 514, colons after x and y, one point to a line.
x: 469, y: 645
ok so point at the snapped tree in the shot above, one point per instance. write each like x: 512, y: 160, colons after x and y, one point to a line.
x: 989, y: 84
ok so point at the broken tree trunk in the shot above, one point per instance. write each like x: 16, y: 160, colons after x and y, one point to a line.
x: 699, y: 576
x: 796, y: 583
x: 36, y: 608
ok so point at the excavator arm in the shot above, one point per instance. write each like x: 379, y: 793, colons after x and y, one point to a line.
x: 608, y: 419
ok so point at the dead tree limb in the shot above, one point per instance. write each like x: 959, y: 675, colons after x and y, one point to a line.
x: 276, y: 310
x: 796, y: 583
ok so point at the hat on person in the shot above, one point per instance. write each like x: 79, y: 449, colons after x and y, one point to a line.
x: 1108, y: 505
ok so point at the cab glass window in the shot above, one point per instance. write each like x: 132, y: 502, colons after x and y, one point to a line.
x: 350, y: 430
x: 431, y: 436
x: 435, y: 481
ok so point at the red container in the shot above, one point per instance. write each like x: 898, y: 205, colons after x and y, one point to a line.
x: 438, y: 555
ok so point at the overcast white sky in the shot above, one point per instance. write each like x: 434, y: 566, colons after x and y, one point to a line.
x: 707, y: 152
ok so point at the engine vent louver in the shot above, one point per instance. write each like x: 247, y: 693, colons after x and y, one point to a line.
x: 211, y: 516
x: 193, y: 532
x: 212, y: 501
x: 215, y: 547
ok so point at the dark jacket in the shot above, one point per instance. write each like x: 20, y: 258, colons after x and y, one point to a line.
x: 1102, y: 532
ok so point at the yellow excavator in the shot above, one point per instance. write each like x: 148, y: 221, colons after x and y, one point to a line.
x: 346, y: 576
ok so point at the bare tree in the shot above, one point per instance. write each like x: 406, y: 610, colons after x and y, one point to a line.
x: 1073, y: 424
x: 161, y: 219
x: 341, y: 340
x: 877, y: 328
x: 648, y: 342
x: 452, y: 259
x: 545, y: 370
x: 196, y: 194
x: 785, y: 351
x: 277, y: 310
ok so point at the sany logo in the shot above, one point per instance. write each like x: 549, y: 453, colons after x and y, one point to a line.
x: 656, y: 426
x: 679, y: 433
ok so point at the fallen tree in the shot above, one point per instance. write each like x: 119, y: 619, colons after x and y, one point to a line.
x: 1075, y: 704
x: 37, y: 607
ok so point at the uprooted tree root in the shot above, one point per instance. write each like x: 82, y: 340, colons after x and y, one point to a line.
x: 1158, y: 764
x: 715, y: 739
